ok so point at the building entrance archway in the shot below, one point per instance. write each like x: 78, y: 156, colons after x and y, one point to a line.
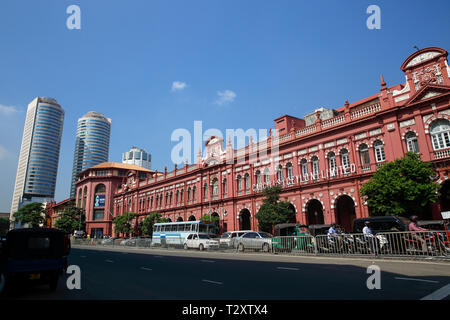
x: 314, y: 212
x: 244, y: 220
x: 345, y: 212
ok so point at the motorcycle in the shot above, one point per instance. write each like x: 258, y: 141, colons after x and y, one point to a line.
x: 426, y: 243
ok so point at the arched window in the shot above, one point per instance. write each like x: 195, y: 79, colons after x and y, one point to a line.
x: 239, y: 182
x: 100, y: 188
x: 364, y: 154
x: 167, y: 198
x: 411, y: 142
x: 205, y: 191
x: 332, y: 164
x: 171, y: 198
x: 189, y: 194
x: 157, y: 200
x: 440, y: 136
x: 258, y: 176
x: 247, y: 181
x: 315, y: 166
x: 290, y: 171
x: 266, y: 175
x: 193, y: 193
x: 215, y: 184
x: 151, y: 202
x: 345, y: 160
x: 182, y: 195
x: 280, y: 173
x: 304, y: 167
x: 224, y: 186
x: 379, y: 151
x: 80, y: 197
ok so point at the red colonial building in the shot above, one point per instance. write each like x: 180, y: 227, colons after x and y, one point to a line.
x: 321, y: 161
x: 95, y: 190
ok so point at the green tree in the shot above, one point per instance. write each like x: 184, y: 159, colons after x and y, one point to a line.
x: 32, y: 213
x: 214, y: 219
x: 401, y: 188
x: 149, y: 221
x: 4, y: 226
x: 273, y: 211
x: 123, y: 223
x: 71, y: 219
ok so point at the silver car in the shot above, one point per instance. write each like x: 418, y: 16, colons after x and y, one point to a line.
x: 228, y: 239
x: 255, y: 240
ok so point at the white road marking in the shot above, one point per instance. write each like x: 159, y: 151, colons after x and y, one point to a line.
x: 109, y: 261
x: 412, y: 279
x: 210, y: 281
x: 146, y: 269
x: 284, y: 268
x: 438, y: 294
x: 211, y: 261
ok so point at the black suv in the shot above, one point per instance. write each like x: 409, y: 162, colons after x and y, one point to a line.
x: 382, y: 224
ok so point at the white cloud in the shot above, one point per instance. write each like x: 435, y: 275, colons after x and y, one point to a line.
x: 4, y: 153
x: 178, y: 85
x: 7, y: 110
x: 225, y: 97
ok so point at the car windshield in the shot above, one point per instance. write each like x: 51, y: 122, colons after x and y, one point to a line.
x: 203, y: 236
x: 265, y: 235
x: 225, y: 235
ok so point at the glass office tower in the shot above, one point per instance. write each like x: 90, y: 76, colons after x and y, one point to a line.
x: 39, y: 154
x: 138, y: 157
x: 92, y: 144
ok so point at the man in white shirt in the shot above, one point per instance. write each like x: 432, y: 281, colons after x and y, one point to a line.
x: 366, y: 230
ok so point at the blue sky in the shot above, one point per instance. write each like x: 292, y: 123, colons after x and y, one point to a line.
x: 267, y: 58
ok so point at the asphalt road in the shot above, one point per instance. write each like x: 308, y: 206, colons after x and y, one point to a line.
x: 128, y: 274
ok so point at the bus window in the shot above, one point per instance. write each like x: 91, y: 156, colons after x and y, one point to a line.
x: 194, y: 227
x: 187, y: 227
x: 203, y: 228
x: 180, y: 227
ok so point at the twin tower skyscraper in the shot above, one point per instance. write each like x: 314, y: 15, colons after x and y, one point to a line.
x: 39, y: 153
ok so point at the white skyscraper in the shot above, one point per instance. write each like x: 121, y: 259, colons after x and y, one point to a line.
x: 92, y: 144
x: 137, y: 157
x: 39, y: 154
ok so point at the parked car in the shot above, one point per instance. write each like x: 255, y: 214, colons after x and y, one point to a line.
x: 137, y: 242
x: 79, y: 234
x: 109, y: 241
x: 36, y: 255
x: 228, y: 239
x: 255, y: 240
x: 200, y: 241
x: 382, y: 224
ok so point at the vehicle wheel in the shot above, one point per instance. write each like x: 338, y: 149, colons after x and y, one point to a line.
x: 200, y: 247
x: 185, y: 246
x: 241, y: 247
x: 265, y: 247
x: 53, y: 284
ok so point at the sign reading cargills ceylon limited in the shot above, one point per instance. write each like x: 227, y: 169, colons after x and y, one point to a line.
x: 339, y: 171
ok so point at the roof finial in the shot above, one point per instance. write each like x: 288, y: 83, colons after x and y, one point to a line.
x: 383, y: 83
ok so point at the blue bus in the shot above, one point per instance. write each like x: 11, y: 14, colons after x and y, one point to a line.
x: 174, y: 233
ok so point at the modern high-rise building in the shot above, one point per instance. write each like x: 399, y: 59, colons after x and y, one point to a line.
x: 39, y: 154
x: 137, y: 157
x: 92, y: 144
